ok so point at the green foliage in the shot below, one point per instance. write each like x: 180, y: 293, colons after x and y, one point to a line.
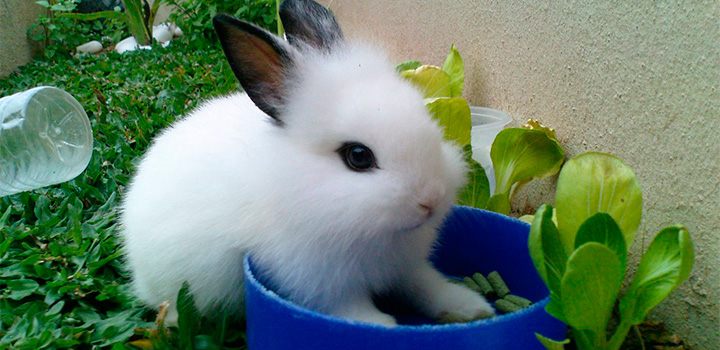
x: 455, y: 69
x: 59, y: 30
x: 477, y: 191
x: 194, y: 17
x: 596, y: 182
x: 602, y: 228
x: 62, y: 281
x: 442, y: 90
x: 452, y: 113
x: 188, y: 317
x: 432, y: 81
x: 520, y: 155
x: 552, y: 344
x: 548, y: 256
x: 589, y: 288
x: 603, y: 191
x: 137, y: 16
x: 666, y: 264
x: 193, y: 331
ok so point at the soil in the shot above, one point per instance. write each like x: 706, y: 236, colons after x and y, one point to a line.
x: 654, y: 337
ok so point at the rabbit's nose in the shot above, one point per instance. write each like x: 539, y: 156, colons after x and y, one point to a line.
x: 429, y: 197
x: 426, y: 209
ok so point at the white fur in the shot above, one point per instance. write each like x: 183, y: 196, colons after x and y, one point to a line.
x: 225, y: 181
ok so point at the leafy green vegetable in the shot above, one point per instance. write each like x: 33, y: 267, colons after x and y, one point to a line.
x: 499, y: 203
x: 453, y: 114
x: 548, y: 256
x: 589, y: 287
x: 455, y: 69
x: 477, y: 191
x: 665, y: 265
x: 520, y: 155
x: 597, y: 182
x: 431, y: 80
x: 550, y: 344
x: 407, y: 65
x: 596, y: 190
x: 602, y: 228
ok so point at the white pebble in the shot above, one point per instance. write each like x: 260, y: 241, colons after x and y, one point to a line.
x: 90, y: 47
x: 127, y: 44
x: 162, y: 33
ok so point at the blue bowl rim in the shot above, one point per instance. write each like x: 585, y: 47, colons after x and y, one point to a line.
x: 506, y: 318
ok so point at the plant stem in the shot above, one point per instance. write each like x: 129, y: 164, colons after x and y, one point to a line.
x: 642, y: 341
x: 588, y: 340
x: 619, y: 337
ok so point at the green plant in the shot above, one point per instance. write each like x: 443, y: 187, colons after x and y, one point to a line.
x: 192, y: 331
x: 580, y: 251
x: 63, y: 284
x: 442, y: 90
x: 59, y: 30
x: 195, y: 16
x: 140, y: 16
x: 519, y: 154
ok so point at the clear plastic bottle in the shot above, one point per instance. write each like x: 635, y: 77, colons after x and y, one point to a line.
x: 45, y: 139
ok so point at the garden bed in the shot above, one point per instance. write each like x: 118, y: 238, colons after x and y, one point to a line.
x: 61, y: 270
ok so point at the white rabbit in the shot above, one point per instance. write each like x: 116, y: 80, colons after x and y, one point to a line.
x: 328, y: 171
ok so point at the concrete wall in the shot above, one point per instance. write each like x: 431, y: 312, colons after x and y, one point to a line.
x: 15, y: 18
x: 635, y: 78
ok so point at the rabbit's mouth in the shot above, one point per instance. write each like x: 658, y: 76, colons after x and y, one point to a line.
x: 431, y: 218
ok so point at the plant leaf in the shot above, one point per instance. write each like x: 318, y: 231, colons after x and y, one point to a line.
x: 407, y: 65
x: 548, y: 256
x: 603, y: 229
x: 455, y: 69
x: 555, y: 307
x: 666, y: 264
x: 551, y: 344
x: 188, y: 317
x: 92, y: 16
x: 21, y: 288
x: 520, y: 155
x: 151, y: 16
x: 546, y: 250
x: 499, y: 203
x: 136, y: 21
x: 595, y: 182
x: 477, y: 191
x: 453, y: 114
x: 586, y: 339
x: 590, y: 286
x: 431, y: 80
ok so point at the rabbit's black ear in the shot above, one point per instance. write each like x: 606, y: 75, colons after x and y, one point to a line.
x: 306, y: 21
x: 260, y: 61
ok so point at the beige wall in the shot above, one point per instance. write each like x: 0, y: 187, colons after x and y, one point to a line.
x: 635, y: 78
x: 15, y: 18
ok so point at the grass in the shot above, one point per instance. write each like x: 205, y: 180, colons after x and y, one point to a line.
x: 62, y: 279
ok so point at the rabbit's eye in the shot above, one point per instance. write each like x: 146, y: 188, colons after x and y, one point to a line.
x: 357, y: 156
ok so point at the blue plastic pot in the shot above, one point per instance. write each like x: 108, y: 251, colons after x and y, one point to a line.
x: 471, y: 240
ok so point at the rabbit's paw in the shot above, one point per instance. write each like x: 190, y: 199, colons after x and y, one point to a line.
x: 461, y: 303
